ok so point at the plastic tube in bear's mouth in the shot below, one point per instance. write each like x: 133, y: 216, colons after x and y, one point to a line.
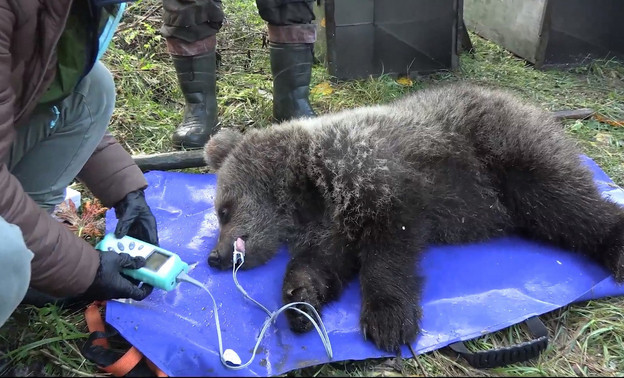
x: 239, y: 245
x: 238, y: 255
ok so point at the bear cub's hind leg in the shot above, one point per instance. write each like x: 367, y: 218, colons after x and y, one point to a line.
x: 563, y: 207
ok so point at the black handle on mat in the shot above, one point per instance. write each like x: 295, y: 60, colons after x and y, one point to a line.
x: 508, y: 355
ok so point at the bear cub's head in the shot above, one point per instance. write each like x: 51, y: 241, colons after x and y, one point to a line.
x: 244, y: 200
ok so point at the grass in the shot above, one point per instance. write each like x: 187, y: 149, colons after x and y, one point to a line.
x: 585, y: 338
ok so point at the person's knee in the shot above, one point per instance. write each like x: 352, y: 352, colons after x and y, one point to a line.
x: 93, y: 102
x: 14, y: 270
x: 99, y: 92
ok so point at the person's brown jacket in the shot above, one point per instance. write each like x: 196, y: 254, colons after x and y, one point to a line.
x: 63, y: 264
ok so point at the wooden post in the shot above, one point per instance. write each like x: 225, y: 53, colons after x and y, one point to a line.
x: 171, y: 160
x: 583, y: 113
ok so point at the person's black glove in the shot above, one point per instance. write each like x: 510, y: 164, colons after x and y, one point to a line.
x: 110, y: 283
x: 135, y: 218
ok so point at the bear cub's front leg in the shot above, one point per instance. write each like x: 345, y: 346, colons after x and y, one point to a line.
x: 391, y: 311
x: 315, y: 280
x: 390, y: 320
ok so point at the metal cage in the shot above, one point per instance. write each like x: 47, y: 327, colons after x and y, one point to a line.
x: 361, y: 38
x: 551, y: 33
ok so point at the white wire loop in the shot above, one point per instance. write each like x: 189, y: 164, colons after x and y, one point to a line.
x: 239, y: 256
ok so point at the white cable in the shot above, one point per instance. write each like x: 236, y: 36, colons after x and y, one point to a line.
x: 234, y: 363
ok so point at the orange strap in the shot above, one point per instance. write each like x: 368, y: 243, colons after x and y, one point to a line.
x: 130, y: 359
x: 608, y: 121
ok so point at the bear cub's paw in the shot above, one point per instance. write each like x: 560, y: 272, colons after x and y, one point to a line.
x: 300, y: 286
x: 390, y: 324
x: 618, y: 269
x: 615, y: 252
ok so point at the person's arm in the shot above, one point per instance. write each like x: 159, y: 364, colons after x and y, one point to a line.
x: 110, y: 173
x: 63, y: 264
x: 113, y: 177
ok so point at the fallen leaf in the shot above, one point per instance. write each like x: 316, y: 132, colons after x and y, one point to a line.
x: 405, y: 81
x: 323, y: 89
x: 578, y: 125
x: 89, y: 223
x: 265, y: 94
x: 603, y: 138
x: 93, y: 218
x: 67, y: 213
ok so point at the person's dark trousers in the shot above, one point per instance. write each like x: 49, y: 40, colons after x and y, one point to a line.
x: 190, y: 27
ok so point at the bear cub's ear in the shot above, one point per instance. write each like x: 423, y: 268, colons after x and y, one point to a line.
x: 219, y: 147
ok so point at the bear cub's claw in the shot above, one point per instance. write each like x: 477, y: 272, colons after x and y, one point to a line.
x: 390, y: 325
x: 300, y: 288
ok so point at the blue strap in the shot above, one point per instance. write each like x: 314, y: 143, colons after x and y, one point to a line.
x: 109, y: 30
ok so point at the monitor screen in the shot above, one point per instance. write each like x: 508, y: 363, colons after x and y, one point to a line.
x: 155, y: 261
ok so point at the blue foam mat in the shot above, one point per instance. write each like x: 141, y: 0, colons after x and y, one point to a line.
x: 470, y: 290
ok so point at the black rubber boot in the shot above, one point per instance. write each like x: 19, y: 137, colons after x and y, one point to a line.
x: 291, y: 66
x: 197, y: 79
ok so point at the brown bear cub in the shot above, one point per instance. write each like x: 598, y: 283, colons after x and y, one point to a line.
x: 364, y: 191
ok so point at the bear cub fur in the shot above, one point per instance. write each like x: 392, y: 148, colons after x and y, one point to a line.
x: 364, y: 191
